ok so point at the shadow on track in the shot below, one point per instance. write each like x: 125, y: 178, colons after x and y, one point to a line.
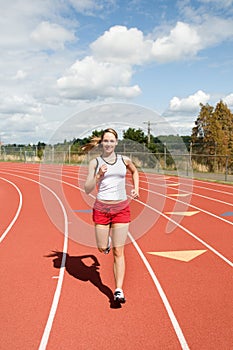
x: 76, y: 267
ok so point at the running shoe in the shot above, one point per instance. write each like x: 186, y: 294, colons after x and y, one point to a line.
x: 107, y: 250
x: 119, y: 296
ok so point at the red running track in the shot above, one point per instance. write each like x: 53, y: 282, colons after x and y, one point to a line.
x: 179, y: 260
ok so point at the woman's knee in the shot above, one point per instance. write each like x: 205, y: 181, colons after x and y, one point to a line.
x: 118, y: 252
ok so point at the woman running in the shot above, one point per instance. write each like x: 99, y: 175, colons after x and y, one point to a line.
x: 111, y: 212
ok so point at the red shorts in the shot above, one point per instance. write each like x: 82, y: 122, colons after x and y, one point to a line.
x: 105, y: 213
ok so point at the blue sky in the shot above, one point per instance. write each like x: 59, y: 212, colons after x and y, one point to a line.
x: 59, y: 58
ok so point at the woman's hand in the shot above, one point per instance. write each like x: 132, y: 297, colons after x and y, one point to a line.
x: 102, y: 171
x: 134, y: 194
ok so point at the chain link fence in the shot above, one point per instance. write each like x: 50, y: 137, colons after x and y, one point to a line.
x: 210, y: 167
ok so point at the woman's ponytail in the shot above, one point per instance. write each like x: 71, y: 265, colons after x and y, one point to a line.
x: 95, y: 141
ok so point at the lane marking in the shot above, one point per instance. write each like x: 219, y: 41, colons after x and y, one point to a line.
x: 163, y: 296
x: 183, y: 213
x: 208, y: 246
x: 17, y: 212
x: 228, y: 213
x: 182, y: 255
x: 82, y: 210
x: 76, y: 187
x: 179, y: 195
x: 56, y: 297
x: 195, y: 207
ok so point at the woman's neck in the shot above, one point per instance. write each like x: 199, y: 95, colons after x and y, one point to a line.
x: 109, y: 156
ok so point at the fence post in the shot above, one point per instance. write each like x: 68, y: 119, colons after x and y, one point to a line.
x: 226, y: 169
x: 165, y: 155
x: 187, y: 165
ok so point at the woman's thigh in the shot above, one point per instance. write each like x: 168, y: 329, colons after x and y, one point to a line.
x: 102, y: 233
x: 119, y: 234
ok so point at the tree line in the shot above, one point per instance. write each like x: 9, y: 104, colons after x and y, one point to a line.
x: 211, y: 136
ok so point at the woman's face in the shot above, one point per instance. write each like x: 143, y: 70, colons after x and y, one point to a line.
x: 109, y: 142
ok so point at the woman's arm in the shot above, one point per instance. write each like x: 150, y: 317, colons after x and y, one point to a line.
x: 93, y: 177
x: 135, y: 176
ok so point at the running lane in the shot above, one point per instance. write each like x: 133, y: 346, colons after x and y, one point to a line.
x: 27, y: 284
x: 182, y: 301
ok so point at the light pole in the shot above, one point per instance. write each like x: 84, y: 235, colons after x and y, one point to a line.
x: 148, y: 130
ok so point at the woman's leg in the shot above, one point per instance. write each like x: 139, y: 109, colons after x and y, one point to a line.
x: 119, y: 235
x: 102, y: 234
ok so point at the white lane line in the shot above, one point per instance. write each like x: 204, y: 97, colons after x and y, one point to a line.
x: 160, y: 194
x: 191, y: 193
x: 190, y: 234
x: 152, y: 176
x: 53, y: 309
x: 166, y: 303
x: 192, y: 206
x: 163, y: 296
x: 171, y: 220
x: 174, y: 222
x: 17, y: 212
x: 211, y: 185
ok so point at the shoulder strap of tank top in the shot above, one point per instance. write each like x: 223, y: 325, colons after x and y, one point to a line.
x: 122, y: 158
x: 97, y: 163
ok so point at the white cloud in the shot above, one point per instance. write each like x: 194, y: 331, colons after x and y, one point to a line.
x: 34, y: 80
x: 129, y: 45
x: 221, y: 4
x: 89, y: 7
x: 18, y: 19
x: 122, y: 45
x: 51, y: 35
x: 215, y: 30
x: 88, y: 79
x: 19, y: 104
x: 228, y: 100
x: 25, y: 128
x: 183, y: 41
x: 20, y: 75
x: 183, y: 112
x: 190, y: 103
x: 23, y: 120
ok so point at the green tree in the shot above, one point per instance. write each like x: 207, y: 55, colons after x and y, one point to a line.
x: 224, y: 122
x: 213, y: 133
x: 40, y: 149
x: 201, y: 132
x: 135, y: 135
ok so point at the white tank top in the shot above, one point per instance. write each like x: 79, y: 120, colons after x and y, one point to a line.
x: 112, y: 184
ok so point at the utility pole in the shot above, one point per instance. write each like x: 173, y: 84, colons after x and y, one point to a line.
x: 148, y: 130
